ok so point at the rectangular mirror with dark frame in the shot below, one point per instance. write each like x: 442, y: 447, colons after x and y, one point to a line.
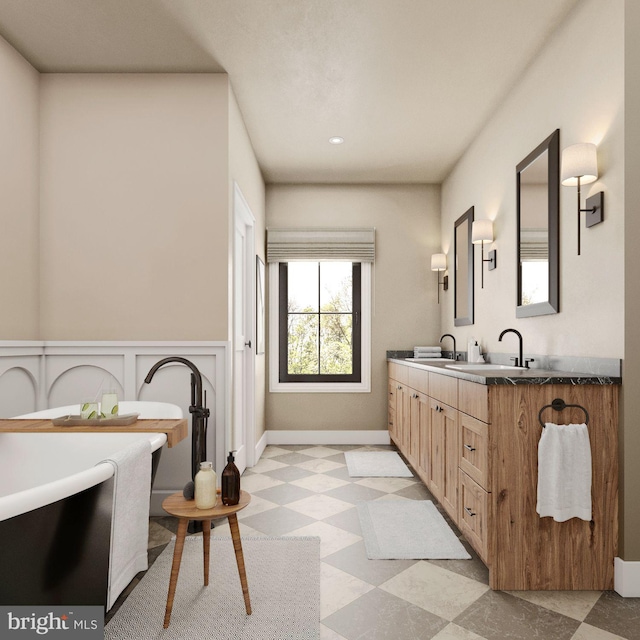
x: 463, y: 270
x: 538, y: 230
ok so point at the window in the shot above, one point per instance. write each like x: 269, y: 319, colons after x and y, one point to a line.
x: 320, y: 307
x: 319, y: 322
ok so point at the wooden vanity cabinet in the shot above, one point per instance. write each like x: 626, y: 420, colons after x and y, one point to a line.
x: 475, y: 447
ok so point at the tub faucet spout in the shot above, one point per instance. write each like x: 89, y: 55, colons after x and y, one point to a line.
x: 198, y: 410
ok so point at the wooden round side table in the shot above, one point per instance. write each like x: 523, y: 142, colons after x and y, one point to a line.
x: 185, y: 510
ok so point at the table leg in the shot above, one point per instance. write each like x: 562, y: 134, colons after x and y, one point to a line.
x: 237, y: 547
x: 206, y: 543
x: 175, y: 568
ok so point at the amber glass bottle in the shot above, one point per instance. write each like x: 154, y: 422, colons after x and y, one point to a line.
x: 230, y: 482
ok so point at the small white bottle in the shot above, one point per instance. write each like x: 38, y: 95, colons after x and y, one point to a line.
x: 470, y: 344
x: 205, y: 486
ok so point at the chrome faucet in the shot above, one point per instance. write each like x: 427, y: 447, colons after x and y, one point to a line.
x: 520, y: 359
x: 198, y: 410
x: 448, y: 335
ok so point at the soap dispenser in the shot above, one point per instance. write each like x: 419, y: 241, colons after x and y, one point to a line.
x: 230, y: 482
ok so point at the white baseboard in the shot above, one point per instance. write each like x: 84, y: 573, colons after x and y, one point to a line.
x: 260, y: 446
x: 626, y: 578
x: 327, y: 437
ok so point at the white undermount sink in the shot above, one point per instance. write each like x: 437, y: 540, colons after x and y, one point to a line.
x: 484, y: 366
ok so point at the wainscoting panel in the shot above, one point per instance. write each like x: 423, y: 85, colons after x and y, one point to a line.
x: 20, y: 374
x: 40, y: 375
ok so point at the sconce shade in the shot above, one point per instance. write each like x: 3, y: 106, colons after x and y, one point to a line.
x: 482, y: 231
x: 438, y: 262
x: 579, y: 161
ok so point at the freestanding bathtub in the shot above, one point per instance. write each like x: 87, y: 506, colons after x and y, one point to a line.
x: 56, y: 502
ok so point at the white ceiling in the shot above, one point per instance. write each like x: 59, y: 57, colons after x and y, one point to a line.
x: 407, y: 83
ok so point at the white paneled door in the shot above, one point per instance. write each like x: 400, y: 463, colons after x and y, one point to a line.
x: 244, y: 288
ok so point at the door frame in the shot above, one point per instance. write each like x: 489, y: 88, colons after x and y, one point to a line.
x: 242, y: 215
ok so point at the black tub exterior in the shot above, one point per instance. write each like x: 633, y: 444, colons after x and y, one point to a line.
x: 58, y: 554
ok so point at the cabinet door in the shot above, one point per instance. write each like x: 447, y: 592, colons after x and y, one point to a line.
x: 443, y: 474
x: 414, y: 429
x: 393, y: 424
x: 436, y: 448
x: 399, y: 415
x: 424, y: 456
x: 451, y: 456
x: 404, y: 400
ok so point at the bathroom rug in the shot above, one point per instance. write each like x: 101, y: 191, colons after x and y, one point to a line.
x: 284, y: 586
x: 376, y: 464
x: 407, y: 530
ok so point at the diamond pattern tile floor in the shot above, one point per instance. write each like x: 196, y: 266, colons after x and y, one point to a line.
x: 303, y: 490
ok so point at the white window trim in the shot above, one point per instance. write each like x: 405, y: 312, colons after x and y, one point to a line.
x: 275, y: 386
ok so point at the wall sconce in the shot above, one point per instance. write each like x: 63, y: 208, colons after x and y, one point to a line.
x: 481, y: 232
x: 580, y: 166
x: 439, y: 263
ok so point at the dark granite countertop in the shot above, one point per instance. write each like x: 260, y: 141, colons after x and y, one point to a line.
x: 478, y: 373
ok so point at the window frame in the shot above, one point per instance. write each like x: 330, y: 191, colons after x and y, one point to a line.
x: 356, y: 340
x: 314, y: 385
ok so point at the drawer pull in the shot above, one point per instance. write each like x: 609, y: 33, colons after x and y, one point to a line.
x: 469, y: 512
x: 468, y: 447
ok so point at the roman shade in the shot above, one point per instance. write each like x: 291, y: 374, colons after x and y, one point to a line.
x: 534, y: 245
x: 353, y: 245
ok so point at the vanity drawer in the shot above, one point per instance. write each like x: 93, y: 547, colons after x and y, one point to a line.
x: 398, y: 372
x: 474, y: 449
x: 473, y: 515
x: 418, y: 380
x: 473, y: 398
x: 444, y: 388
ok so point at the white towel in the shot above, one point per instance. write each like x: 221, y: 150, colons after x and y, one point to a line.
x: 564, y: 472
x: 427, y: 349
x: 130, y: 516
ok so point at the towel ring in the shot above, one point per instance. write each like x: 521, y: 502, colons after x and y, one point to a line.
x: 559, y: 405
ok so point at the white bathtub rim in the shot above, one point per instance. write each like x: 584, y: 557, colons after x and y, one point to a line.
x: 37, y: 497
x: 21, y: 502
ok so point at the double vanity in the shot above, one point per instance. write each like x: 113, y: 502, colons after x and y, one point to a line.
x: 471, y: 433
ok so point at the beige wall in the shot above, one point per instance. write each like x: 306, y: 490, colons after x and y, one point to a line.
x: 19, y: 242
x: 576, y: 85
x: 134, y: 206
x: 630, y: 431
x: 405, y: 312
x: 244, y: 170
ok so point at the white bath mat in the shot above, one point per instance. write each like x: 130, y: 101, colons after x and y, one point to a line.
x: 376, y: 464
x: 407, y: 530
